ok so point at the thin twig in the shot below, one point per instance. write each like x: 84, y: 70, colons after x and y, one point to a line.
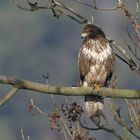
x: 58, y: 111
x: 22, y: 135
x: 134, y: 22
x: 56, y: 7
x: 33, y: 6
x: 130, y: 36
x: 37, y: 108
x: 63, y: 122
x: 133, y: 52
x: 137, y: 9
x: 43, y: 113
x: 132, y: 114
x: 94, y: 6
x: 131, y: 62
x: 120, y: 120
x: 123, y: 59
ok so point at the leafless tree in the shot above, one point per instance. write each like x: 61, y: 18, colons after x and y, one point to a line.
x: 62, y: 118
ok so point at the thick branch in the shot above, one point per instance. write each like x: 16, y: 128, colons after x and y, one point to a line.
x: 69, y: 91
x: 107, y: 129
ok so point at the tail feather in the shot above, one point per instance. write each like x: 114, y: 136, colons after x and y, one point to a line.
x: 93, y: 105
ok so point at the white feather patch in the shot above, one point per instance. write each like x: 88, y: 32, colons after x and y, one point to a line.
x: 102, y: 55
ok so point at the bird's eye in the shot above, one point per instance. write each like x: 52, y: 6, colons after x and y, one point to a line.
x: 89, y: 31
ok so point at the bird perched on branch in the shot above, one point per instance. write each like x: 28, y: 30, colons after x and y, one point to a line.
x: 96, y: 63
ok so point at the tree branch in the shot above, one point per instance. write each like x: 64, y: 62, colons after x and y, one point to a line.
x: 68, y: 91
x: 58, y: 8
x: 118, y: 118
x: 107, y: 129
x: 133, y: 66
x: 8, y: 96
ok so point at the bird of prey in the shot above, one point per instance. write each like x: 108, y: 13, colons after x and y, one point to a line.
x: 96, y: 64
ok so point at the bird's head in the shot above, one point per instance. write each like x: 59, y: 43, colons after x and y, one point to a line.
x: 92, y: 31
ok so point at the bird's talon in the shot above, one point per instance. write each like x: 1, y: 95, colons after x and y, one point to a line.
x: 97, y: 87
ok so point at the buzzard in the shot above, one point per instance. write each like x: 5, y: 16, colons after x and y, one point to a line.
x: 96, y: 63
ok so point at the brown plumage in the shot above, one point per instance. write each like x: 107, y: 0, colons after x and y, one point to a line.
x: 96, y: 63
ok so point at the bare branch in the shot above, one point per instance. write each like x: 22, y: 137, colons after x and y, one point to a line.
x: 120, y: 120
x: 22, y: 135
x: 68, y: 91
x: 133, y: 66
x: 62, y: 120
x: 94, y: 6
x: 134, y: 22
x: 134, y: 52
x: 107, y: 129
x: 133, y: 111
x: 58, y: 8
x: 89, y: 128
x: 32, y: 105
x: 8, y: 96
x: 137, y: 9
x: 33, y: 6
x: 121, y: 5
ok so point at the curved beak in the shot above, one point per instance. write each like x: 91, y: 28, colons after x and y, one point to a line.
x: 83, y: 35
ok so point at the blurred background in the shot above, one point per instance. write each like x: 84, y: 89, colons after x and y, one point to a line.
x: 36, y: 43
